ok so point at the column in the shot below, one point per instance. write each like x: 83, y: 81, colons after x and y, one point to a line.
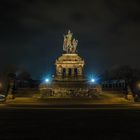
x: 80, y: 71
x: 67, y: 71
x: 72, y: 72
x: 59, y: 71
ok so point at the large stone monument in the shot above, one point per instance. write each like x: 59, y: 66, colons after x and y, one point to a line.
x: 70, y: 65
x: 69, y: 79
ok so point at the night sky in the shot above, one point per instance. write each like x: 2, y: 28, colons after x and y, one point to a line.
x: 31, y: 33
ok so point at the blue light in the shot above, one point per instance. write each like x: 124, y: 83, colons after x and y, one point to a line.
x: 47, y: 80
x: 92, y: 80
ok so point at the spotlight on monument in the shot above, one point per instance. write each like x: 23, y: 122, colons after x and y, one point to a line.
x: 92, y: 80
x: 47, y: 80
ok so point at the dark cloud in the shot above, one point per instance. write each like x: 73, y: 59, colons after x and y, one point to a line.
x: 31, y: 32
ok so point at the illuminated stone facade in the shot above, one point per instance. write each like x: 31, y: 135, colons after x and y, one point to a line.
x: 69, y: 67
x: 69, y: 79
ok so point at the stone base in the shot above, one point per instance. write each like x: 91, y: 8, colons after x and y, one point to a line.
x: 62, y: 89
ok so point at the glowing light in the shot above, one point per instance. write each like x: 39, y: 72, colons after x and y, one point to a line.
x: 47, y: 80
x: 92, y: 80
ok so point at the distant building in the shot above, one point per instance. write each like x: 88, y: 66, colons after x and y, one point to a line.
x: 114, y: 85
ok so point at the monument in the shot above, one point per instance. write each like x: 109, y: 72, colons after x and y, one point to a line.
x: 70, y: 65
x: 69, y: 79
